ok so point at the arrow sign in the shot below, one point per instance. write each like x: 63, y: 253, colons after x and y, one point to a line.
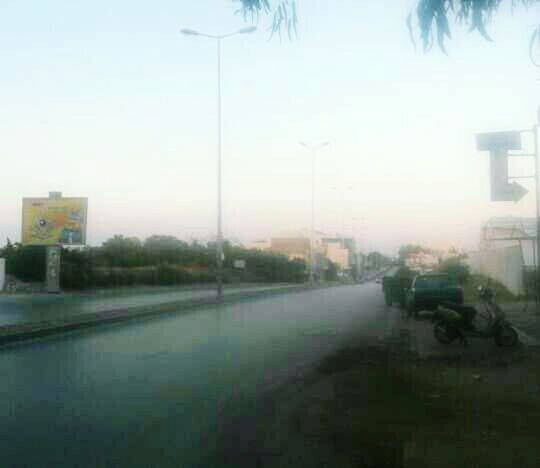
x: 518, y: 191
x: 508, y: 192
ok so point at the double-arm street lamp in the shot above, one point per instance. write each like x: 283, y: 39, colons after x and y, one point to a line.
x: 313, y: 149
x: 219, y: 250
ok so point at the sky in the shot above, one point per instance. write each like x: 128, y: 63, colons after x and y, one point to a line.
x: 110, y: 102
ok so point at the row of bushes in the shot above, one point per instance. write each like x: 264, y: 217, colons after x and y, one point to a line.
x: 158, y: 261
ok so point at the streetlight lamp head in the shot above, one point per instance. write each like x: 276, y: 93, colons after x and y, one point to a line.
x: 248, y: 30
x: 189, y: 32
x: 326, y: 143
x: 301, y: 143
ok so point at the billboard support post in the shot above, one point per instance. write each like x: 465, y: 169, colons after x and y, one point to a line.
x: 2, y: 273
x: 52, y: 268
x: 537, y: 256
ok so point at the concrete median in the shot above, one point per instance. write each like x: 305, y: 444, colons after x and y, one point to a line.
x: 28, y: 331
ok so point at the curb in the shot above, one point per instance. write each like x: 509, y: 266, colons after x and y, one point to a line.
x: 23, y: 332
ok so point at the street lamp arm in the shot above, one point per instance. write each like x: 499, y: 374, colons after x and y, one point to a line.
x: 192, y: 32
x: 314, y: 147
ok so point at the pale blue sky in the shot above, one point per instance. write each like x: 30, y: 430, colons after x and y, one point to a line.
x: 111, y: 102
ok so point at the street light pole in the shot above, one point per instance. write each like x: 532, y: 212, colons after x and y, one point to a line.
x: 219, y: 246
x: 313, y: 149
x: 536, y: 174
x: 219, y: 249
x: 312, y: 237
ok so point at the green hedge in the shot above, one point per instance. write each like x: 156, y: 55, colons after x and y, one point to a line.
x: 160, y: 260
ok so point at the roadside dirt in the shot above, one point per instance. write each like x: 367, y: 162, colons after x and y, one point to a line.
x: 379, y: 403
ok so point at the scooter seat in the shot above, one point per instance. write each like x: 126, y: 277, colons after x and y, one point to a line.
x: 459, y: 308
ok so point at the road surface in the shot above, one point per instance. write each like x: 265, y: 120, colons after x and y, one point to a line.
x: 156, y: 392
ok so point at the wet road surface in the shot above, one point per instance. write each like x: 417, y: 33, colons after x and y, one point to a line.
x: 153, y: 392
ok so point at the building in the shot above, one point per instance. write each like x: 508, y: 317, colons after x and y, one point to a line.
x: 293, y: 247
x: 422, y: 261
x: 341, y: 251
x: 499, y: 233
x: 296, y: 245
x: 506, y: 251
x: 259, y: 245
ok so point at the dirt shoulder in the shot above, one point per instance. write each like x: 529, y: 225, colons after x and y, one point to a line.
x: 379, y: 403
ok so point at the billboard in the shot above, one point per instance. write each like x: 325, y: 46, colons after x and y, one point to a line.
x: 54, y: 221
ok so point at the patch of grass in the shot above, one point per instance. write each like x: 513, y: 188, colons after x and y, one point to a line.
x: 429, y: 414
x: 502, y: 294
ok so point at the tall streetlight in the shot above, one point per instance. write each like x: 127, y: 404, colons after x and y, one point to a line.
x: 219, y: 250
x: 313, y: 149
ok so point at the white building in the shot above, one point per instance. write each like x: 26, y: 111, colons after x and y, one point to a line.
x: 506, y: 250
x: 499, y: 233
x: 422, y: 261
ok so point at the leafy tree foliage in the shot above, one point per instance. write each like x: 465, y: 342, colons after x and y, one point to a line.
x: 331, y: 273
x: 455, y: 266
x: 433, y: 17
x: 378, y: 260
x: 430, y: 18
x: 283, y: 12
x: 411, y: 249
x: 26, y: 263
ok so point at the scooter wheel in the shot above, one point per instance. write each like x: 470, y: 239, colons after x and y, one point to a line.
x: 443, y: 333
x: 506, y: 336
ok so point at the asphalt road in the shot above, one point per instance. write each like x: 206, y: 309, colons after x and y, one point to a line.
x: 157, y: 392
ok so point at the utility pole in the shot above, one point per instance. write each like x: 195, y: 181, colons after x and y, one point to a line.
x: 313, y: 149
x: 536, y: 156
x: 219, y: 246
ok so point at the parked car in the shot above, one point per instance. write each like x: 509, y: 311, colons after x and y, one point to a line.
x: 378, y: 280
x: 429, y: 290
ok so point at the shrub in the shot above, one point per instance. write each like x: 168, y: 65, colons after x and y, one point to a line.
x: 456, y: 267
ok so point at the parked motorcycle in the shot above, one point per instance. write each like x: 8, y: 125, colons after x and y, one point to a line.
x: 459, y: 322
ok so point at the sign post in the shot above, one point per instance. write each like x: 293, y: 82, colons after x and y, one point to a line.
x: 52, y: 276
x: 2, y: 273
x: 499, y: 144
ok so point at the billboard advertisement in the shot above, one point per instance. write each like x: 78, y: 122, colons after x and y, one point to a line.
x: 47, y: 221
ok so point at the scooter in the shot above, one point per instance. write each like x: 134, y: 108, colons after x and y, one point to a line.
x: 458, y: 323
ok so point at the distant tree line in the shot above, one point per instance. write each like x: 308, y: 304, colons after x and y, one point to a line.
x: 158, y: 260
x: 378, y: 260
x: 412, y: 249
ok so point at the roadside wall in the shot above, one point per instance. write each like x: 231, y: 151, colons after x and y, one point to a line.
x: 504, y: 265
x: 2, y: 273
